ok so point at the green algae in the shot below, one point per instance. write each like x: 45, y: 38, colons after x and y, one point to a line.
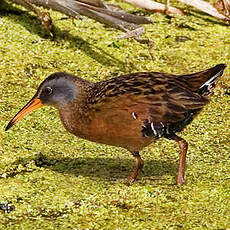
x: 57, y: 181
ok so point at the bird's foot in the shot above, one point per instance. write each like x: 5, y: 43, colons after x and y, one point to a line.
x: 133, y: 176
x: 130, y: 181
x: 180, y: 180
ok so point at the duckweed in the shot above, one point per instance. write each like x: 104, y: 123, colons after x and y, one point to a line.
x: 57, y: 181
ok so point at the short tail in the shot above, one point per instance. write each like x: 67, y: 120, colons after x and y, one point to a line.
x: 203, y: 82
x: 206, y: 89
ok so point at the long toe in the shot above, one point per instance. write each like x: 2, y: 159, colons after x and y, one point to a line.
x: 180, y: 180
x: 130, y: 181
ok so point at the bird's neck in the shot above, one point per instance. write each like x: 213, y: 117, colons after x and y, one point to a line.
x: 74, y: 115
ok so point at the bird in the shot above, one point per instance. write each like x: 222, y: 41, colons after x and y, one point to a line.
x: 129, y: 111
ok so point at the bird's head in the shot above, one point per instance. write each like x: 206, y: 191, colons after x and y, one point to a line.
x: 58, y: 90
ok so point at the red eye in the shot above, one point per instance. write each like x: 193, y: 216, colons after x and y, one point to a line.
x: 48, y: 90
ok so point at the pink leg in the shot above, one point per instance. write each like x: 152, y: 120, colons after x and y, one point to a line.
x: 183, y: 145
x: 138, y: 167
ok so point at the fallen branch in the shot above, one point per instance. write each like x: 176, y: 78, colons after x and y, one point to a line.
x: 114, y: 16
x: 206, y: 7
x: 96, y: 9
x: 153, y: 7
x: 226, y: 7
x: 223, y: 6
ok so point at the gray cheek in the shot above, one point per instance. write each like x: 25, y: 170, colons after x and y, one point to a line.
x: 69, y: 95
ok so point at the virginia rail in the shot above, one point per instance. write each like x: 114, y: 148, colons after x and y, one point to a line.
x: 128, y: 111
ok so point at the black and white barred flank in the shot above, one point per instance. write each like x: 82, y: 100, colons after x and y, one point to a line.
x: 150, y: 129
x: 158, y: 129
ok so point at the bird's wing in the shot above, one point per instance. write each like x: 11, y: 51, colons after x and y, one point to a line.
x: 196, y: 82
x: 161, y: 102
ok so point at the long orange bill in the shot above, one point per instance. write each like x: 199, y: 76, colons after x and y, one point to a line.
x: 33, y: 104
